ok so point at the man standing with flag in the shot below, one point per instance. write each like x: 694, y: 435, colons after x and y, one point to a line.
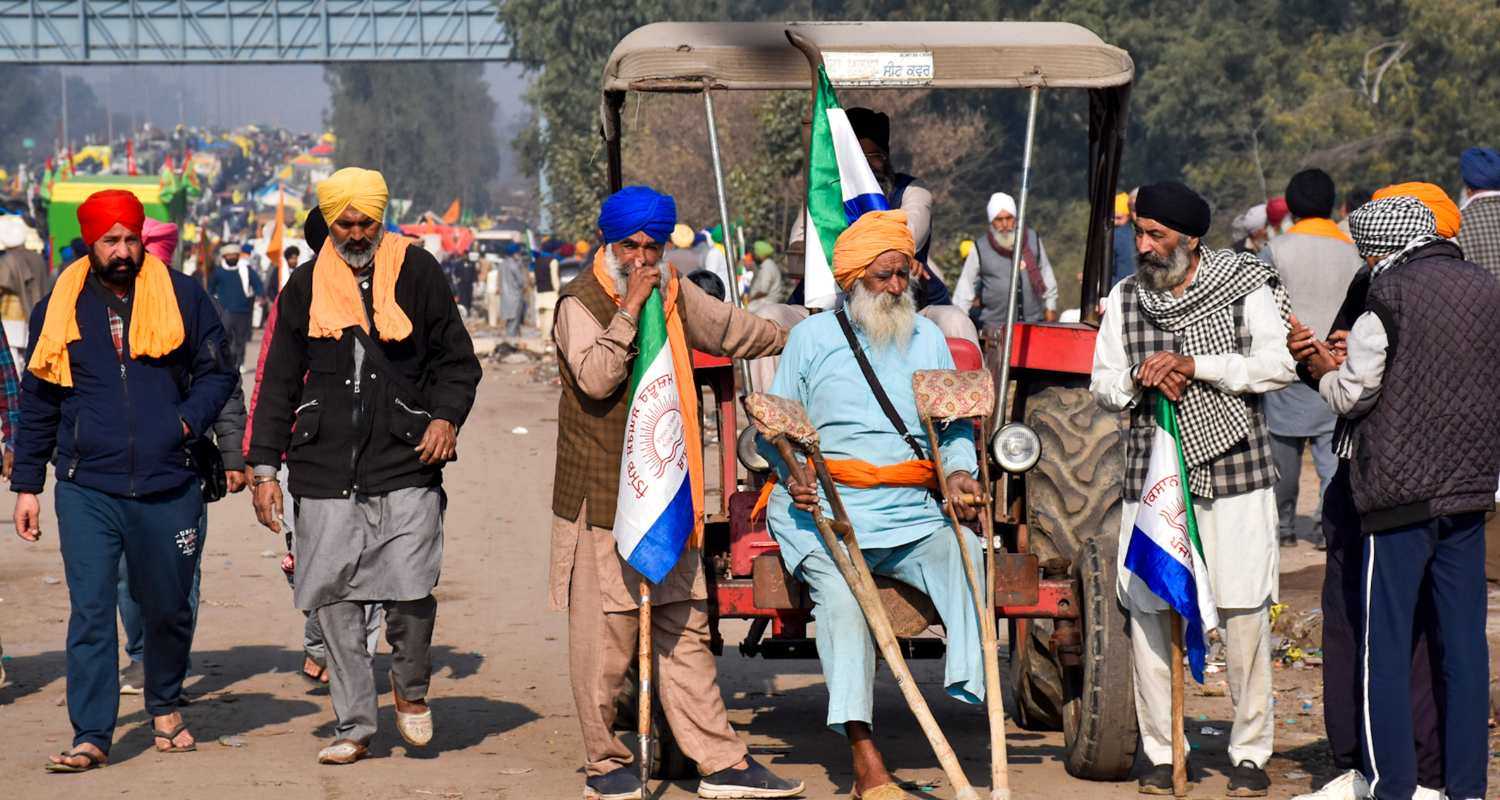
x: 1207, y: 329
x: 623, y: 325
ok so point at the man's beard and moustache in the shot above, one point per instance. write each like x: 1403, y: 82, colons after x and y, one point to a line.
x: 886, y: 319
x: 359, y: 259
x: 1164, y: 274
x: 622, y: 272
x: 118, y: 271
x: 1006, y: 240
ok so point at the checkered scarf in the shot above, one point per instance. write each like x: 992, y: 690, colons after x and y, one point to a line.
x: 1203, y: 320
x: 1391, y: 229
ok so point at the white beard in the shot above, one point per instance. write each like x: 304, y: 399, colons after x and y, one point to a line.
x: 358, y: 261
x: 1007, y: 240
x: 622, y: 275
x: 886, y: 319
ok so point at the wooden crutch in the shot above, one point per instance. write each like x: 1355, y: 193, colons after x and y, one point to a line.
x: 951, y: 395
x: 785, y: 425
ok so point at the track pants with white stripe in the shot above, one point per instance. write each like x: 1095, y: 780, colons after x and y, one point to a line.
x: 1442, y: 558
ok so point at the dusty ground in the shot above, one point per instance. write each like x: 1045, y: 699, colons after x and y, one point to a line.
x: 504, y: 713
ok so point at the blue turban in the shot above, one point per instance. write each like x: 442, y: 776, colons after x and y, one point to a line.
x: 1480, y: 167
x: 637, y: 209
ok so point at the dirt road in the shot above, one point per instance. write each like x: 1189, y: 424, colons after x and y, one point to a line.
x: 504, y: 712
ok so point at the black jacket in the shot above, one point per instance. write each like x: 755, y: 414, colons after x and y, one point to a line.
x: 338, y: 440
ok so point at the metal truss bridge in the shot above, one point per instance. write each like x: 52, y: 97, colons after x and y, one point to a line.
x: 80, y: 32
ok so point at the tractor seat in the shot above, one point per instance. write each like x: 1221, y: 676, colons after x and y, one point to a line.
x: 966, y: 354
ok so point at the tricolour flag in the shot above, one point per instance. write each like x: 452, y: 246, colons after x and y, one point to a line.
x: 654, y: 514
x: 840, y: 187
x: 1164, y: 549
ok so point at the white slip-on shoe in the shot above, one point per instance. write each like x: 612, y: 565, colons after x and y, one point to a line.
x: 1349, y: 786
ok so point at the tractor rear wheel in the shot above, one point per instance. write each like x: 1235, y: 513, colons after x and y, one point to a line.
x: 1100, y: 730
x: 1072, y: 495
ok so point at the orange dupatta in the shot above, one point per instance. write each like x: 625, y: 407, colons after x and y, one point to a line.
x: 1316, y: 226
x: 687, y: 389
x: 336, y: 303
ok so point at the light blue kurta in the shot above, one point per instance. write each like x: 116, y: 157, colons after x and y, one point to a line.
x: 902, y: 531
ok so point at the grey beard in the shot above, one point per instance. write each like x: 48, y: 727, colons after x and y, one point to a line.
x: 1160, y: 275
x: 358, y: 261
x: 886, y: 319
x: 622, y: 275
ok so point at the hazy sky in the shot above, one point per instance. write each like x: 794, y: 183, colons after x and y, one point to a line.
x: 292, y: 96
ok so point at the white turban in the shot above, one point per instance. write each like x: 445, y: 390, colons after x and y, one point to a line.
x: 999, y: 201
x: 13, y: 231
x: 1255, y: 218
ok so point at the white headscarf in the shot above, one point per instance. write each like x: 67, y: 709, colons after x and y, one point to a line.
x: 999, y: 201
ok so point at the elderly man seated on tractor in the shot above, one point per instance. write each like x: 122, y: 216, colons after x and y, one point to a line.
x: 884, y: 477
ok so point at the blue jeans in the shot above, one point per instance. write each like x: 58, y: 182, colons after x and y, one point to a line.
x: 130, y: 610
x: 160, y: 534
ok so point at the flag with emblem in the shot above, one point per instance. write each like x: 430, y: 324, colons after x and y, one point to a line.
x: 1164, y: 550
x: 654, y: 515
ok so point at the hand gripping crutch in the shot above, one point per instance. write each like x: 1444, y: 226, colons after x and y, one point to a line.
x: 785, y: 425
x: 949, y: 395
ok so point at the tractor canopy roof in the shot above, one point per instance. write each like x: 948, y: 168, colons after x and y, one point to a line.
x: 686, y: 56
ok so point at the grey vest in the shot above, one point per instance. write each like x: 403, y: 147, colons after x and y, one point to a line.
x: 1430, y: 447
x: 1245, y: 467
x: 994, y: 285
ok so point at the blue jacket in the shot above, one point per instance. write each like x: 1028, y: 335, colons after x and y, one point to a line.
x: 225, y: 286
x: 1123, y: 262
x: 119, y: 428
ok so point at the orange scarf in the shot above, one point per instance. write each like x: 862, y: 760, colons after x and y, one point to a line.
x: 1317, y: 226
x: 336, y: 302
x: 858, y: 474
x: 155, y: 320
x: 687, y: 389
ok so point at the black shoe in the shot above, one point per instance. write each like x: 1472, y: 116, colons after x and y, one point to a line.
x: 1248, y: 780
x: 1157, y: 780
x: 1320, y: 543
x: 752, y: 781
x: 1287, y: 540
x: 622, y: 784
x: 133, y: 678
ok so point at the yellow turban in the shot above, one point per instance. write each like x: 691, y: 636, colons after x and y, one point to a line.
x: 1122, y: 204
x: 682, y: 236
x: 1443, y: 209
x: 861, y: 243
x: 363, y: 190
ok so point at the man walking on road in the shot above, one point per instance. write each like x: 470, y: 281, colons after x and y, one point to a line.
x: 1421, y: 384
x: 390, y: 376
x: 236, y: 287
x: 595, y: 332
x: 1316, y: 261
x: 120, y: 338
x: 1207, y: 328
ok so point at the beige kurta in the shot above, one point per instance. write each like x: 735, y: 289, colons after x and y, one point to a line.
x: 599, y: 358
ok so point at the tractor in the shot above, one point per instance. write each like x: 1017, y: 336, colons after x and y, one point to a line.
x: 1058, y: 495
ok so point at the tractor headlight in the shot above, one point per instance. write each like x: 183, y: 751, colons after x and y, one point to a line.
x: 1016, y: 448
x: 749, y: 457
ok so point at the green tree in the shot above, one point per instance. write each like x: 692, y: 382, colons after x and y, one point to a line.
x: 428, y: 127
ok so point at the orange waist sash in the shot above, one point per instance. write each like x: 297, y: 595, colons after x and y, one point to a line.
x: 863, y: 475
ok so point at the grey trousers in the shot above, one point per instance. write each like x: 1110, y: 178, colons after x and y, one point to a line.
x: 312, y: 633
x: 408, y: 629
x: 1287, y: 453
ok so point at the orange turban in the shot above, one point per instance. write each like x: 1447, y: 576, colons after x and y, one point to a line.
x: 861, y: 243
x: 103, y: 209
x: 1437, y: 201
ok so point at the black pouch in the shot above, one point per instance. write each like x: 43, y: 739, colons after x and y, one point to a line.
x: 208, y: 462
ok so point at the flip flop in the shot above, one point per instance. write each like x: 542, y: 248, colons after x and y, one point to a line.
x: 95, y: 760
x: 342, y: 751
x: 170, y: 737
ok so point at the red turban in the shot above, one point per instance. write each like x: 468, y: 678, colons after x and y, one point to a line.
x: 103, y: 209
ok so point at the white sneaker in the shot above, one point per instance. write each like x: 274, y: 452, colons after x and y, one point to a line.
x: 1349, y: 786
x: 1424, y: 793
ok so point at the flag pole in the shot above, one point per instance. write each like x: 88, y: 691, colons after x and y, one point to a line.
x: 1179, y: 737
x: 643, y: 698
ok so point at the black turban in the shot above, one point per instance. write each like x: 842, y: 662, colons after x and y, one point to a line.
x: 871, y: 125
x: 315, y: 230
x: 1310, y: 194
x: 1175, y: 206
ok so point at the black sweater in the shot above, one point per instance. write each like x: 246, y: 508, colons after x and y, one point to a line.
x: 337, y: 440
